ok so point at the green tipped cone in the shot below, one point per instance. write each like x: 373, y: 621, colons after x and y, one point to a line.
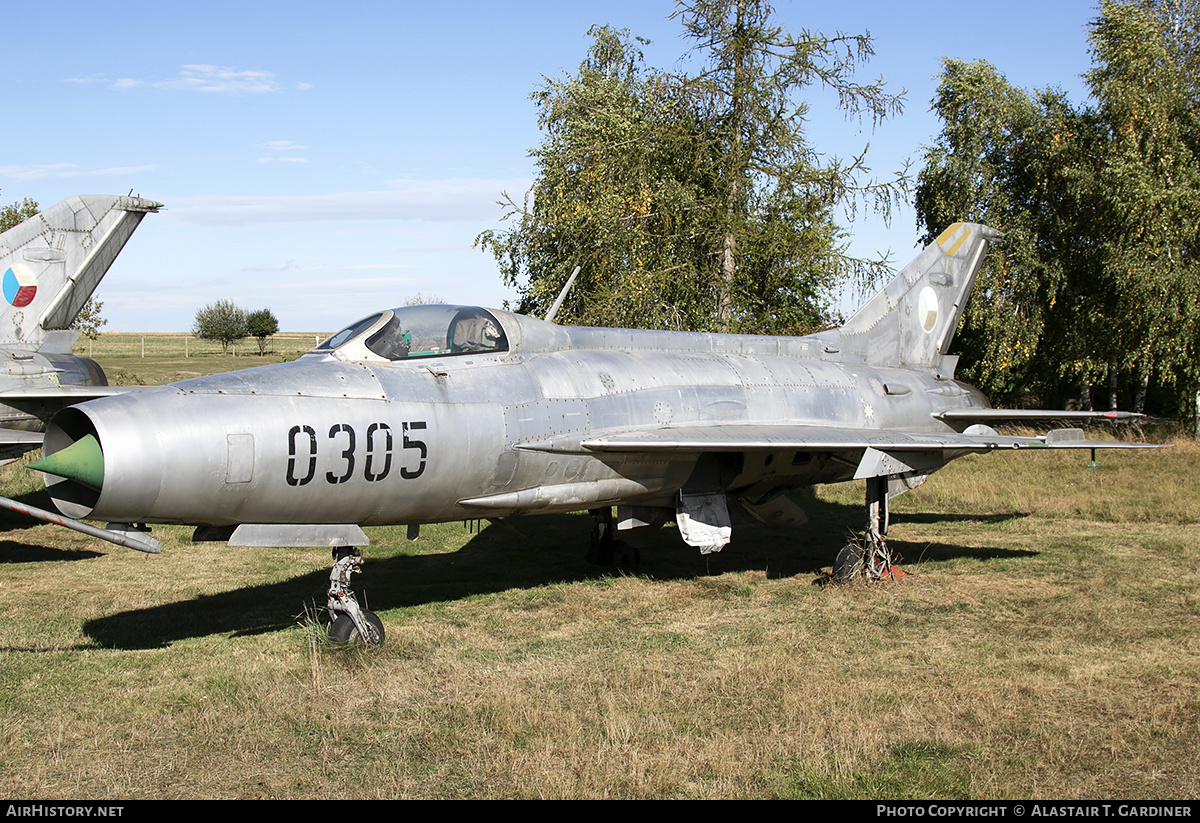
x: 82, y: 461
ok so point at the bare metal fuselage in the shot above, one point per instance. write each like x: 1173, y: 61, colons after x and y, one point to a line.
x: 325, y: 440
x: 423, y: 414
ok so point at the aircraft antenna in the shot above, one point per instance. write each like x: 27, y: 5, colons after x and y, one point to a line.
x: 561, y: 296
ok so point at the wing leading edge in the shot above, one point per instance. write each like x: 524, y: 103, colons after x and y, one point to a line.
x: 15, y: 443
x: 781, y: 437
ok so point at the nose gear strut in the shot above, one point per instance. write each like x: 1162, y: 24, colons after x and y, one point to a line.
x: 351, y: 623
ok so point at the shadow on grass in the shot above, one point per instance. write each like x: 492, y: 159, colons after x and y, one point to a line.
x: 12, y: 551
x: 937, y: 517
x: 905, y: 553
x: 494, y: 560
x: 15, y: 550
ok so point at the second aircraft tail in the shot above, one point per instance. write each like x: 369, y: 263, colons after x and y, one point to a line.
x: 51, y: 263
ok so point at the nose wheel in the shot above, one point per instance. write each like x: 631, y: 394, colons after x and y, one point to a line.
x: 345, y: 631
x: 351, y: 624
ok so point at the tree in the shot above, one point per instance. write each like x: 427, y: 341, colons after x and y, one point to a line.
x: 613, y: 196
x: 420, y: 299
x: 694, y: 202
x: 1149, y: 191
x: 222, y: 321
x: 991, y: 164
x: 1097, y: 282
x: 17, y: 213
x: 88, y: 321
x: 260, y: 325
x: 776, y: 197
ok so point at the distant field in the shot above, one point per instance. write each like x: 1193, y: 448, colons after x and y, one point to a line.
x: 172, y: 344
x: 1046, y: 644
x: 161, y: 357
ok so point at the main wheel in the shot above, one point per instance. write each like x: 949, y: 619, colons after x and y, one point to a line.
x: 624, y: 556
x: 343, y: 630
x: 848, y: 563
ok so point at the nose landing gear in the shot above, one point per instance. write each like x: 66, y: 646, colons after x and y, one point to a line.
x: 352, y: 624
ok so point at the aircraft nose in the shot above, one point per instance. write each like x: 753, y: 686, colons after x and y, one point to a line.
x: 82, y: 461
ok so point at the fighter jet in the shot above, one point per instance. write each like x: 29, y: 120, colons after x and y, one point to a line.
x: 426, y: 414
x: 51, y: 264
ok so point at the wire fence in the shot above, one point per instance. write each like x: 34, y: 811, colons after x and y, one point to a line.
x: 173, y: 344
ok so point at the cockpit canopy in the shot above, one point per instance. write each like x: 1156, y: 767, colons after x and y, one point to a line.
x: 419, y: 331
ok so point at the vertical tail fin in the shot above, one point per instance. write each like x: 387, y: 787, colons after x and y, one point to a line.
x: 51, y: 263
x: 912, y: 320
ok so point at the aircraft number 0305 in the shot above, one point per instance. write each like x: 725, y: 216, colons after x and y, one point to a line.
x: 376, y: 454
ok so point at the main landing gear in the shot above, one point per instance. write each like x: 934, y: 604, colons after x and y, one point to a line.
x: 352, y: 624
x: 604, y: 549
x: 872, y: 558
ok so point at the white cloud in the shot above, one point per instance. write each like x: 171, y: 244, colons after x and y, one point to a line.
x: 452, y: 200
x: 35, y: 171
x: 281, y: 145
x: 205, y: 77
x: 346, y: 284
x: 291, y: 266
x: 118, y: 170
x: 288, y: 266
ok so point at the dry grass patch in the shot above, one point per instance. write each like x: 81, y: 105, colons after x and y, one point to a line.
x: 1045, y: 645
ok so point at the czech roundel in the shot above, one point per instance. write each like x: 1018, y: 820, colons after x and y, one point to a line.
x: 19, y: 286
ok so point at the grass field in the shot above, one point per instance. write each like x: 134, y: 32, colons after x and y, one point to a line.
x: 154, y: 358
x: 175, y: 345
x: 1046, y: 644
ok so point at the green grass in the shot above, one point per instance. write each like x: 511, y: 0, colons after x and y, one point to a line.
x: 1044, y: 645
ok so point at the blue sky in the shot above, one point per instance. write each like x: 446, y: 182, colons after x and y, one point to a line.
x: 325, y: 161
